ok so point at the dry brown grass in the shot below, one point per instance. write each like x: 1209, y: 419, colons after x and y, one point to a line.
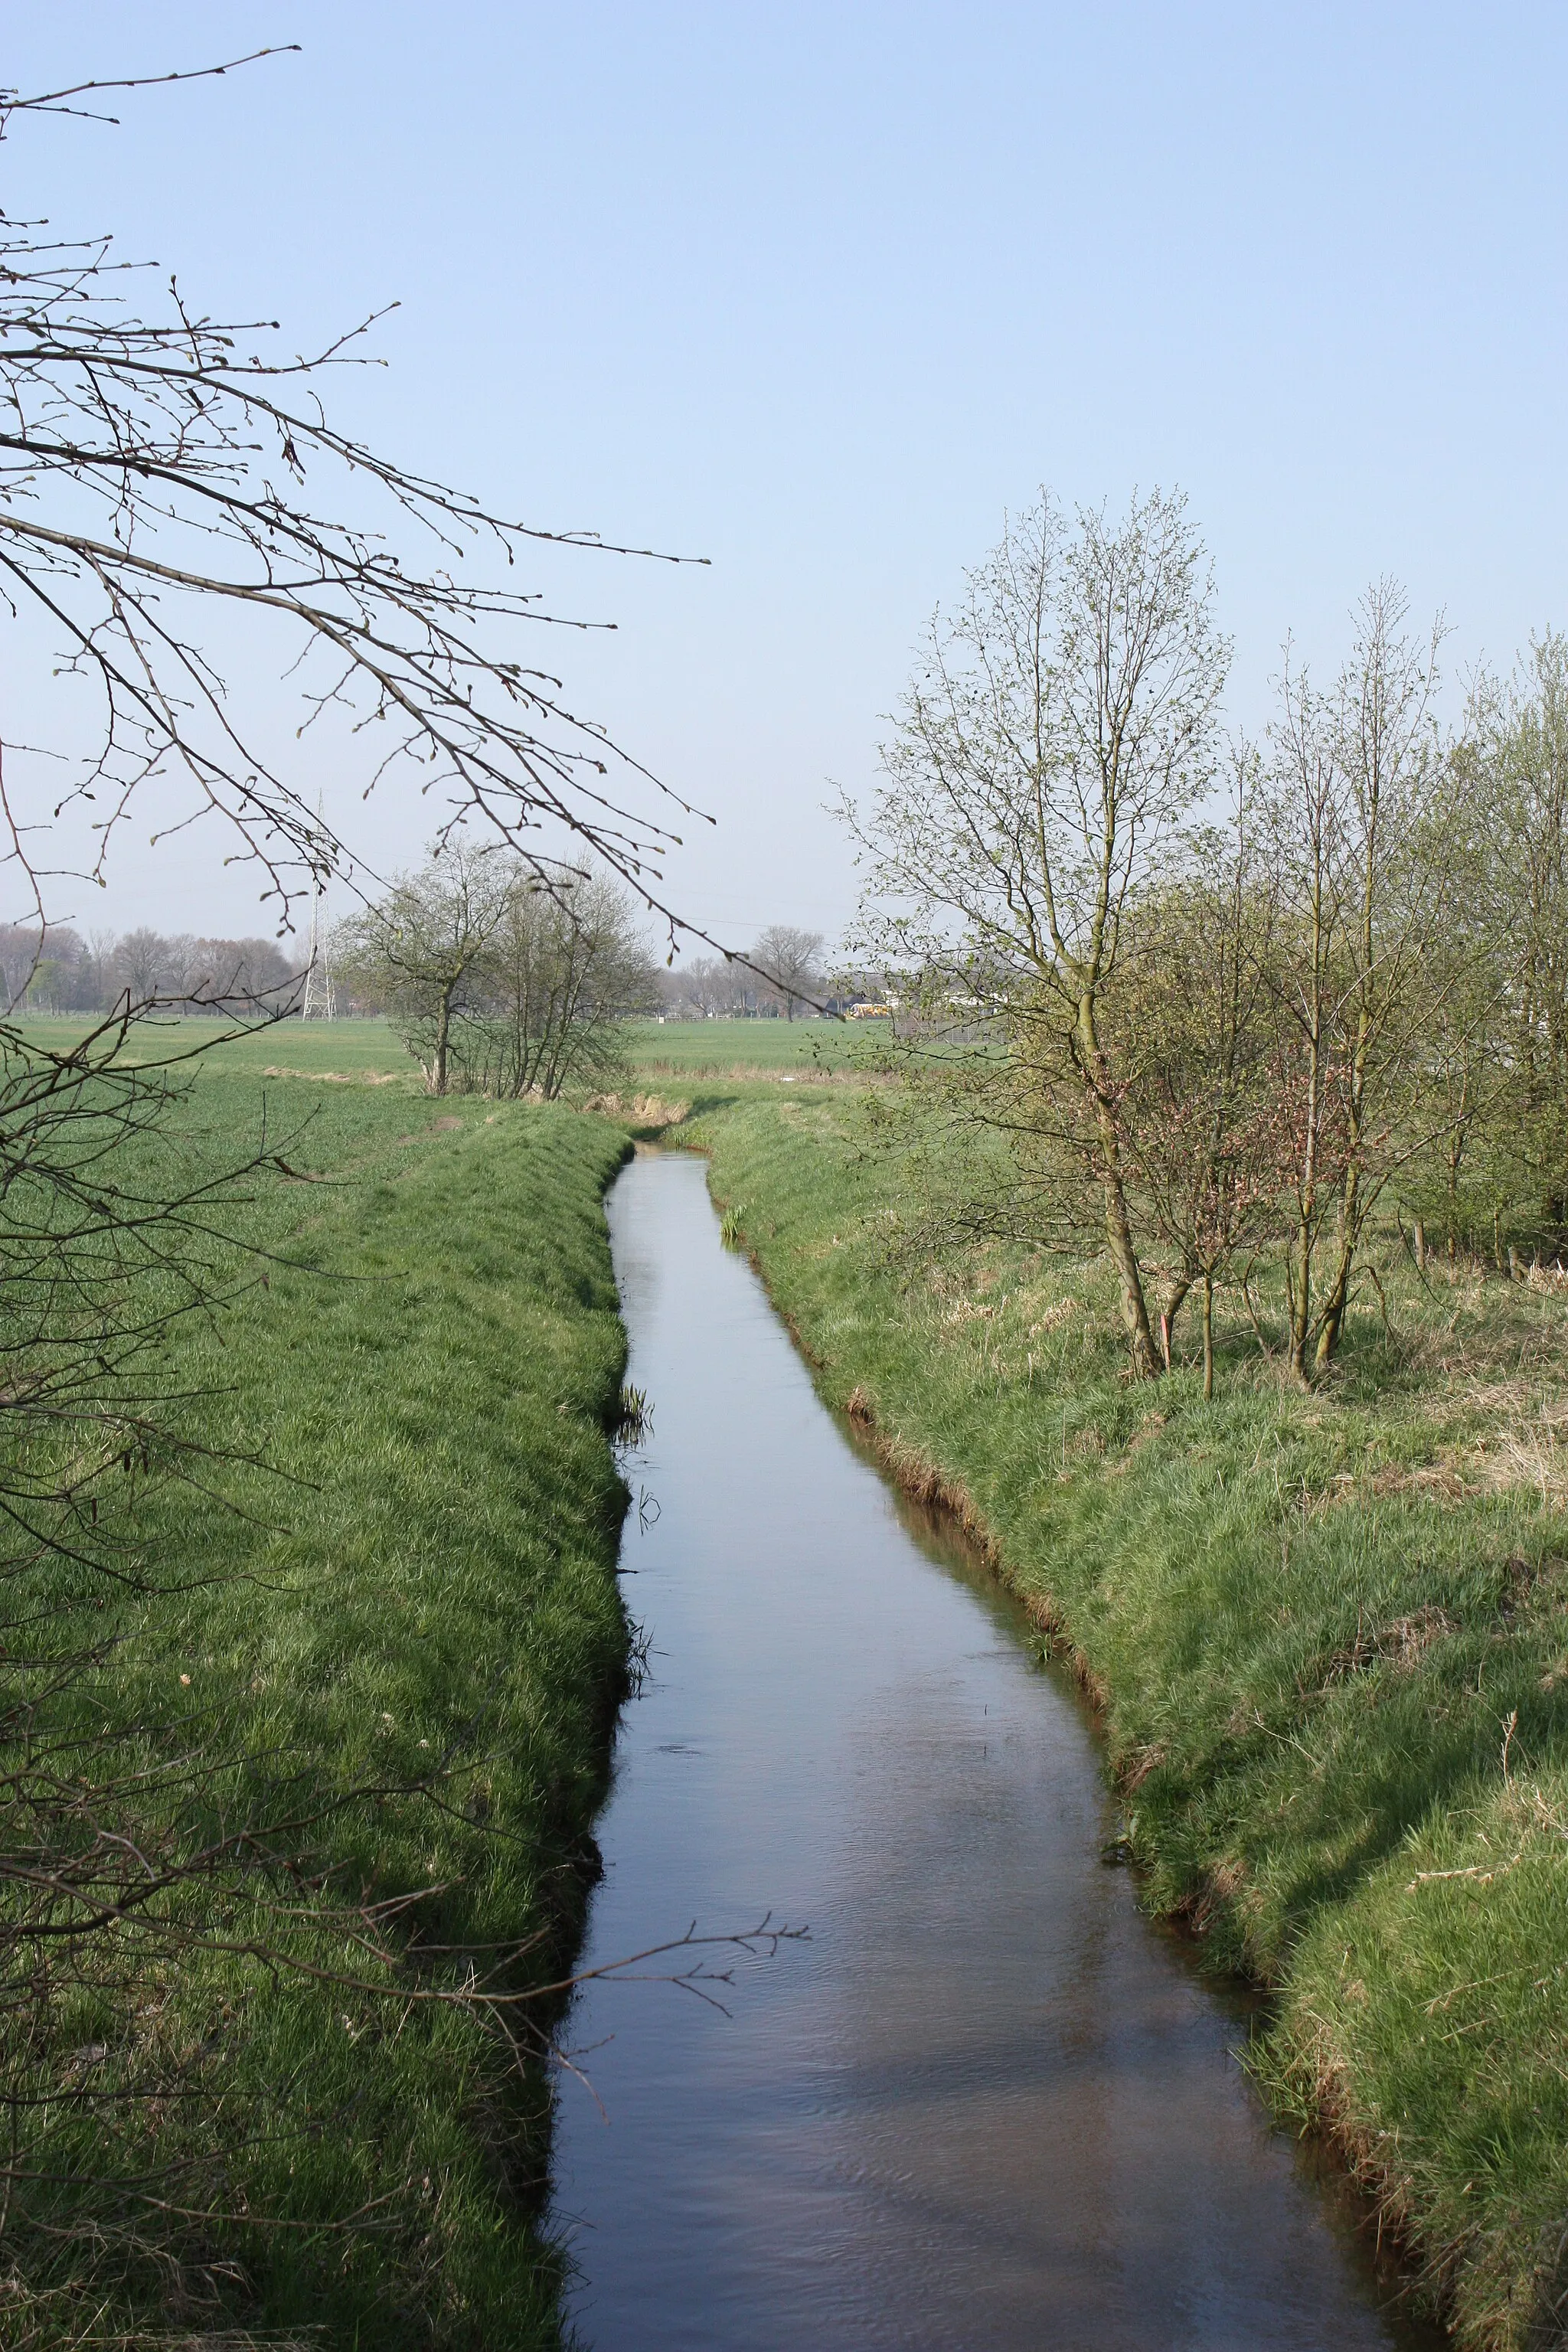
x: 638, y: 1110
x: 1400, y: 1644
x: 70, y: 2323
x: 338, y: 1078
x: 1531, y: 1453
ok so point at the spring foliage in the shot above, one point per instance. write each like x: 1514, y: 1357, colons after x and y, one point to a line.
x: 499, y: 986
x: 1224, y: 1005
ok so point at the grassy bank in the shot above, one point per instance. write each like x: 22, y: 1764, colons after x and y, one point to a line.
x: 1327, y: 1632
x: 406, y: 1630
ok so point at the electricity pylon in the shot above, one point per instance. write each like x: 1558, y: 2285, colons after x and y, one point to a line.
x: 318, y: 1002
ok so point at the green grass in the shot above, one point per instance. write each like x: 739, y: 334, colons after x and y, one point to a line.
x: 366, y: 1049
x: 429, y: 1582
x: 694, y: 1049
x: 315, y: 1049
x: 1309, y: 1620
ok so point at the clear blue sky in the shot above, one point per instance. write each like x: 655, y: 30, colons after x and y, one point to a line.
x: 818, y: 291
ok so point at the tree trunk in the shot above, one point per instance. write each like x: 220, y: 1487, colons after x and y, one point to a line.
x: 1117, y: 1223
x: 1338, y: 1299
x: 1208, y: 1335
x: 1302, y: 1292
x: 1420, y: 1246
x: 443, y: 1035
x: 1124, y: 1257
x: 1307, y: 1182
x: 1306, y: 1220
x: 1169, y: 1312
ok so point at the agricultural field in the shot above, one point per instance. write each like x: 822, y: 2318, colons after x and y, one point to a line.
x: 1327, y: 1632
x: 380, y: 1613
x: 725, y: 1048
x: 368, y: 1051
x: 364, y: 1050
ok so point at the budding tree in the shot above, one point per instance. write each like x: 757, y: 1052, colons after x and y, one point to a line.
x: 1059, y: 728
x: 1361, y: 875
x: 418, y: 952
x: 560, y: 978
x: 1206, y: 1136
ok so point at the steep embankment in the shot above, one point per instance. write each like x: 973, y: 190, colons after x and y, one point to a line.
x: 1328, y: 1636
x: 399, y: 1647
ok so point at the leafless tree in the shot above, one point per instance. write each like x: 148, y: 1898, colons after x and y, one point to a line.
x: 147, y: 966
x: 156, y: 469
x: 790, y: 962
x: 709, y: 986
x: 243, y: 971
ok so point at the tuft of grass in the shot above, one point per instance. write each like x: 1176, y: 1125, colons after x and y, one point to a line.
x: 731, y: 1225
x: 634, y: 1416
x: 407, y: 1626
x: 1329, y: 1636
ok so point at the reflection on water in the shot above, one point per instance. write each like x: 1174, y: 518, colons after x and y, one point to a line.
x: 986, y: 2104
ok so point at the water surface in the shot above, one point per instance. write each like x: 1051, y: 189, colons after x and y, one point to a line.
x: 988, y: 2105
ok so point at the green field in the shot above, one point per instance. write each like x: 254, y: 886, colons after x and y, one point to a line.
x: 1327, y: 1634
x: 722, y: 1048
x: 319, y: 1049
x: 364, y: 1049
x: 406, y: 1630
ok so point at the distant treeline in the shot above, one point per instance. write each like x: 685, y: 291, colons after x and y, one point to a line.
x: 712, y: 988
x: 782, y: 974
x: 58, y: 970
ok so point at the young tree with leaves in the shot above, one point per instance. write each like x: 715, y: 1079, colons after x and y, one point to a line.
x: 563, y: 973
x: 419, y: 953
x: 1058, y: 730
x: 1360, y: 872
x: 1206, y: 1138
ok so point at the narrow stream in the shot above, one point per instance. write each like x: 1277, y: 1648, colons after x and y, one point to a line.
x: 987, y: 2105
